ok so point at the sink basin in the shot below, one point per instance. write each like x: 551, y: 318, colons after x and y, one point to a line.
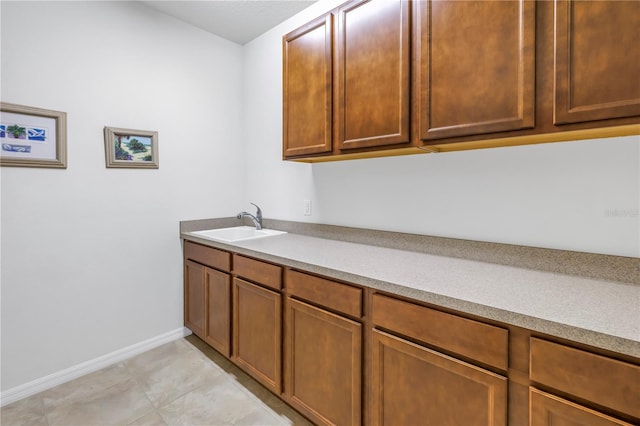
x: 235, y: 234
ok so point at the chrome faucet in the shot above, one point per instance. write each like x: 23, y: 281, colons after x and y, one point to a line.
x: 257, y: 219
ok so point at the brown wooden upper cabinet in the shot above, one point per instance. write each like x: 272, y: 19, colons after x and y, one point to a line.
x: 346, y: 79
x: 389, y: 77
x: 474, y: 67
x: 307, y: 88
x: 597, y: 60
x: 373, y: 64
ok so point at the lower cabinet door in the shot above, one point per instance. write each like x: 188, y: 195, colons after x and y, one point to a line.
x: 547, y: 410
x: 257, y: 339
x: 194, y: 301
x: 413, y: 385
x: 323, y: 353
x: 218, y: 324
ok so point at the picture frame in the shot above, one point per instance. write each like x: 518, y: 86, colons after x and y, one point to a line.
x: 128, y: 148
x: 32, y: 137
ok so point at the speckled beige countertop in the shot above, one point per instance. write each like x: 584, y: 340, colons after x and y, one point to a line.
x: 595, y: 311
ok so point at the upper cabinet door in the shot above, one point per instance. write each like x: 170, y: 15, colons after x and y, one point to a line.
x: 597, y: 60
x: 372, y: 78
x: 307, y: 88
x: 474, y: 68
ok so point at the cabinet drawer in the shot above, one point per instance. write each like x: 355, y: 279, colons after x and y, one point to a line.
x: 605, y: 381
x: 257, y: 271
x: 482, y: 342
x: 207, y: 256
x: 330, y: 294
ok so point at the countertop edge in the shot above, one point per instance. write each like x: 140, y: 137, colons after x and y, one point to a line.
x: 581, y: 264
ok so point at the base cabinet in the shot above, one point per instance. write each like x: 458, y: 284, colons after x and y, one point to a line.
x: 415, y: 385
x: 207, y: 295
x: 612, y: 385
x: 218, y: 310
x: 343, y: 354
x: 323, y: 364
x: 194, y: 298
x: 257, y: 332
x: 549, y: 410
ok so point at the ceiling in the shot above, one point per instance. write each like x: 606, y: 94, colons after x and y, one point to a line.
x: 237, y: 20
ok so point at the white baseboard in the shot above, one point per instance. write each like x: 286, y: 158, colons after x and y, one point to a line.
x: 35, y: 386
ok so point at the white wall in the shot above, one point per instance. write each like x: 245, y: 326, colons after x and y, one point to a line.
x: 581, y: 196
x: 91, y: 257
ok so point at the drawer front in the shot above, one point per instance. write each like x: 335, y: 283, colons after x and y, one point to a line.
x: 209, y: 256
x: 330, y: 294
x: 605, y: 381
x: 257, y: 271
x: 482, y: 342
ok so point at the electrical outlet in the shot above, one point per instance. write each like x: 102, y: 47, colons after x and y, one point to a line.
x: 307, y: 208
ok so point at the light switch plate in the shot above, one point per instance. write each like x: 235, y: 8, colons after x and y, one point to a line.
x: 307, y: 207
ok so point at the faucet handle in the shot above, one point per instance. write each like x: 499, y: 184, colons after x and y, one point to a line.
x: 258, y: 212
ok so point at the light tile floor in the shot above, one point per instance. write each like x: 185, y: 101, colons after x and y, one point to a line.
x: 181, y: 383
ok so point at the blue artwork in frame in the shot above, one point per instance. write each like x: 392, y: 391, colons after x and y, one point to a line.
x: 35, y: 134
x: 32, y: 137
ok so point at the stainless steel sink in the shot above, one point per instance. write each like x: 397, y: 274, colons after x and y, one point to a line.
x: 237, y: 233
